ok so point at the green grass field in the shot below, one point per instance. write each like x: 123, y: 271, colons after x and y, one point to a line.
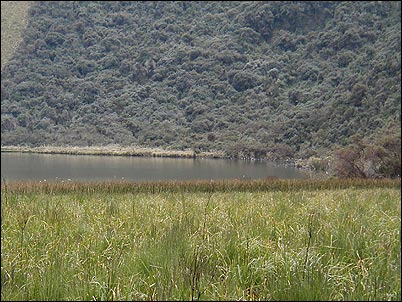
x: 250, y: 240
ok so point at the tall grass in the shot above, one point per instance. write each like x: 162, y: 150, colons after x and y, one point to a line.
x: 269, y: 184
x: 164, y: 241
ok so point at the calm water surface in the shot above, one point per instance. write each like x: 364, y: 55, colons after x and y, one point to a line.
x: 59, y: 167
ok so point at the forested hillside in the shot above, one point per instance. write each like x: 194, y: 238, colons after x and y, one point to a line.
x: 255, y: 79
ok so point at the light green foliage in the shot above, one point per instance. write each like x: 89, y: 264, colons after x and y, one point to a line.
x: 296, y: 244
x: 13, y: 21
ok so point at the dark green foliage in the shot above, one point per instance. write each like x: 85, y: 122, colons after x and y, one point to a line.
x: 255, y: 79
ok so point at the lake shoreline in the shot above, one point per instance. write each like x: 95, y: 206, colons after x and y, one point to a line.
x: 46, y: 167
x: 137, y: 151
x: 114, y: 150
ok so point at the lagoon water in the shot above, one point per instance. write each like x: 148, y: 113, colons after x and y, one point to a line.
x: 60, y: 167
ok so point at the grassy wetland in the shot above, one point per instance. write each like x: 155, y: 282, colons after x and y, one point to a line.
x: 217, y: 240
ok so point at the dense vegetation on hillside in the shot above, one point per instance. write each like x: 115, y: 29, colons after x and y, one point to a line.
x: 257, y: 79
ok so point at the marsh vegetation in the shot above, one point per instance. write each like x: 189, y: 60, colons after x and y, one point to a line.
x: 221, y: 240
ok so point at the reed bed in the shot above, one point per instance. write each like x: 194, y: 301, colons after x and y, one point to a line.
x: 123, y: 186
x: 221, y: 240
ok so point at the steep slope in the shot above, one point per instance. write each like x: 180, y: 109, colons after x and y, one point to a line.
x: 13, y: 21
x: 256, y: 79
